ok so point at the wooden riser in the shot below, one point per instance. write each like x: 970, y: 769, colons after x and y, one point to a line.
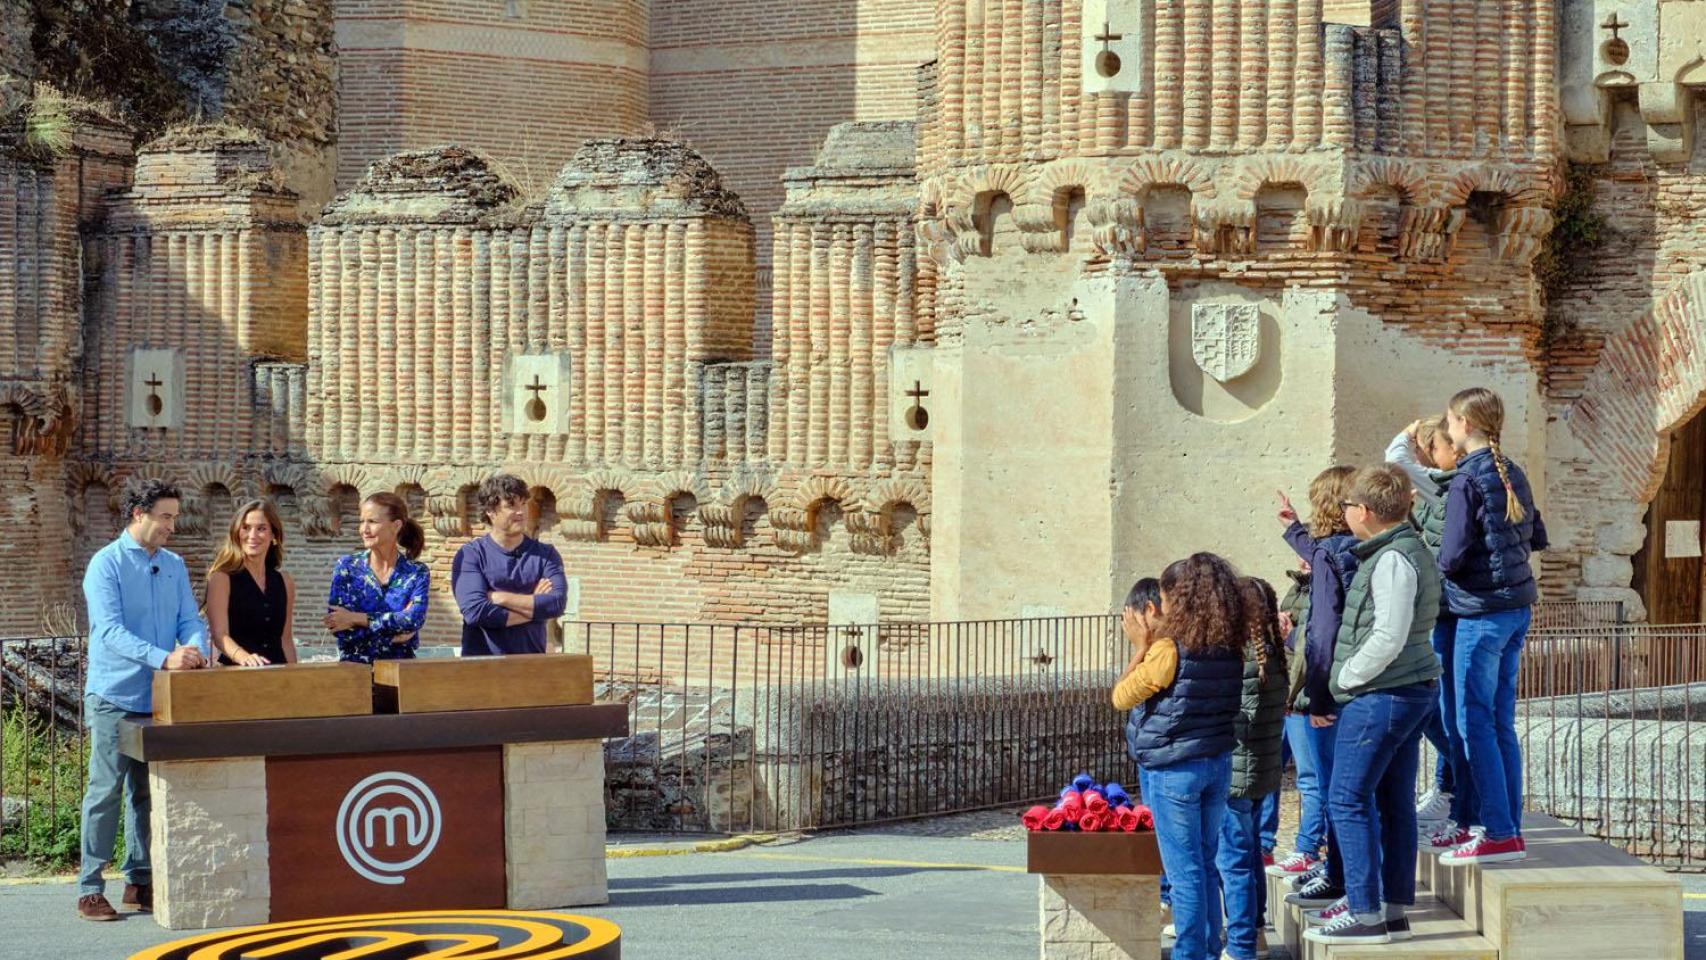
x: 1439, y: 935
x: 1574, y: 898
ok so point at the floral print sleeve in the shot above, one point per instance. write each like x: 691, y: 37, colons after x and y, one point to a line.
x: 396, y: 609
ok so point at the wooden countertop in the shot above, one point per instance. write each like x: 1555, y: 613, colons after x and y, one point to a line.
x: 372, y: 733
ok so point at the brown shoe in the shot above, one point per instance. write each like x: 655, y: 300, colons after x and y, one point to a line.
x: 138, y: 898
x: 95, y: 907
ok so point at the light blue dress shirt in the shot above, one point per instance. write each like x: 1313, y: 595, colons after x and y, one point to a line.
x: 140, y: 608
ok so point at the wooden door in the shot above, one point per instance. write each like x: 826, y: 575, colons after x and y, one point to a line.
x: 1670, y: 584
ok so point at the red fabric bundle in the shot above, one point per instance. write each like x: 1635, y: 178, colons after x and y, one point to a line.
x: 1072, y: 807
x: 1145, y: 817
x: 1055, y: 820
x: 1033, y: 818
x: 1094, y: 802
x: 1128, y: 819
x: 1092, y: 822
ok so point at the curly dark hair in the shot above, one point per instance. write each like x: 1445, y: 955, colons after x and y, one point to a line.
x: 1206, y: 611
x: 144, y: 494
x: 1265, y: 640
x: 495, y: 489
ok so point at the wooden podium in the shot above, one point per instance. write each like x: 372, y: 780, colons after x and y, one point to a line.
x: 280, y: 794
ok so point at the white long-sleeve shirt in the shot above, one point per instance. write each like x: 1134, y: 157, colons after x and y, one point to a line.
x: 1393, y: 587
x: 1400, y: 453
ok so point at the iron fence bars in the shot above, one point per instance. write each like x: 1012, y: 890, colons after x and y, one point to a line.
x: 739, y: 728
x: 43, y: 758
x: 763, y: 727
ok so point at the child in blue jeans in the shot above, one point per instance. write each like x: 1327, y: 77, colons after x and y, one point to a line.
x: 1256, y: 775
x: 1491, y: 528
x: 1385, y: 679
x: 1182, y: 693
x: 1326, y: 543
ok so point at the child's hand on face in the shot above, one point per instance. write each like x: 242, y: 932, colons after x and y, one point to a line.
x: 1136, y: 630
x: 1285, y: 624
x: 1287, y: 514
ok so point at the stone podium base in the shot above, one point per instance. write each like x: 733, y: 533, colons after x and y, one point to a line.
x: 1100, y: 917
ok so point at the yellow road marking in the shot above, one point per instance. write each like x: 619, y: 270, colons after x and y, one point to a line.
x: 921, y: 864
x: 1694, y: 896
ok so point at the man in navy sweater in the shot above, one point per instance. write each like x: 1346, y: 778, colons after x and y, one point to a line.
x: 507, y: 584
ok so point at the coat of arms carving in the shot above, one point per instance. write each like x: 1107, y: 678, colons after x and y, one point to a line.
x: 1226, y: 338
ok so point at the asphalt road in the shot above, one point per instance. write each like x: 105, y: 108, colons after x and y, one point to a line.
x: 860, y: 896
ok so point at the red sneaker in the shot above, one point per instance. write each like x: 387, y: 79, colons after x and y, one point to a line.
x: 1294, y: 865
x: 1446, y: 840
x: 1267, y: 859
x: 1484, y: 850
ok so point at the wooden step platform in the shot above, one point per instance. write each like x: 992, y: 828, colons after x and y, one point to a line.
x: 1574, y: 898
x: 1439, y: 934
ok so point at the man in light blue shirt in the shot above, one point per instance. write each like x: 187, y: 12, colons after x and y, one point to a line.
x: 142, y: 618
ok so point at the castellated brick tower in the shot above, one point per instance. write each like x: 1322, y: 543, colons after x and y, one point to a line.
x: 196, y: 332
x: 523, y: 80
x: 1190, y: 251
x: 48, y: 193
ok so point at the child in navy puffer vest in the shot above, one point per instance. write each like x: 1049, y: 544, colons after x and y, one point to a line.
x: 1491, y: 528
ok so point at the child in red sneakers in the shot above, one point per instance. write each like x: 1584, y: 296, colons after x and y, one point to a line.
x: 1491, y: 528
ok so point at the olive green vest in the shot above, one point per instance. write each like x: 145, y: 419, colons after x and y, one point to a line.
x: 1429, y: 518
x: 1296, y: 603
x: 1417, y: 662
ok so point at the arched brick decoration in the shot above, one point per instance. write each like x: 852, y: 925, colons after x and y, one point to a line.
x: 1650, y: 379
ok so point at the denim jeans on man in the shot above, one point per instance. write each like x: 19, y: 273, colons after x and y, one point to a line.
x: 1483, y: 667
x: 1465, y: 806
x: 109, y: 772
x: 1190, y: 800
x: 1373, y: 798
x: 1323, y: 743
x: 1239, y: 873
x: 1147, y: 798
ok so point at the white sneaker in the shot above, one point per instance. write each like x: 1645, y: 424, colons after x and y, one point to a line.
x: 1170, y: 932
x: 1434, y: 805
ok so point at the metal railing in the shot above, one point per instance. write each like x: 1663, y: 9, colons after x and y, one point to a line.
x: 43, y: 760
x: 738, y: 728
x: 1562, y: 614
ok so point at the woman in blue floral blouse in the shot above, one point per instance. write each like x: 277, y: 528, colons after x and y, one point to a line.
x: 379, y: 597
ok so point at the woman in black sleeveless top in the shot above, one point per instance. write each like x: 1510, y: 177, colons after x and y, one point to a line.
x: 249, y: 599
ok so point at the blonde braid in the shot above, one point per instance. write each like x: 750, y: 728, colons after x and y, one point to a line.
x: 1514, y: 511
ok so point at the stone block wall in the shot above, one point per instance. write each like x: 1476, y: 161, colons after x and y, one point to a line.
x: 554, y: 824
x: 209, y: 843
x: 1099, y: 917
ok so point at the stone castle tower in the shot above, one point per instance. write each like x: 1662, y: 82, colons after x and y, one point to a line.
x: 954, y: 310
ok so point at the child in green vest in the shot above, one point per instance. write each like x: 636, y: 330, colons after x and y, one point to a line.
x: 1385, y: 679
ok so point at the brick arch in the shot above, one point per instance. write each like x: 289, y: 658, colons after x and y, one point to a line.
x: 1149, y: 172
x: 1409, y: 179
x: 1492, y: 178
x: 1043, y: 214
x: 1650, y: 379
x: 1262, y: 172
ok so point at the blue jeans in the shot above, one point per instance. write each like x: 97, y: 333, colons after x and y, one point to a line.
x: 1190, y: 800
x: 109, y: 772
x: 1323, y: 741
x: 1465, y: 805
x: 1238, y: 869
x: 1267, y: 810
x: 1483, y: 668
x: 1147, y: 796
x: 1312, y: 801
x: 1373, y: 799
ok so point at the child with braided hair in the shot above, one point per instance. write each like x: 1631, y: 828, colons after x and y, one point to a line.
x: 1491, y: 528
